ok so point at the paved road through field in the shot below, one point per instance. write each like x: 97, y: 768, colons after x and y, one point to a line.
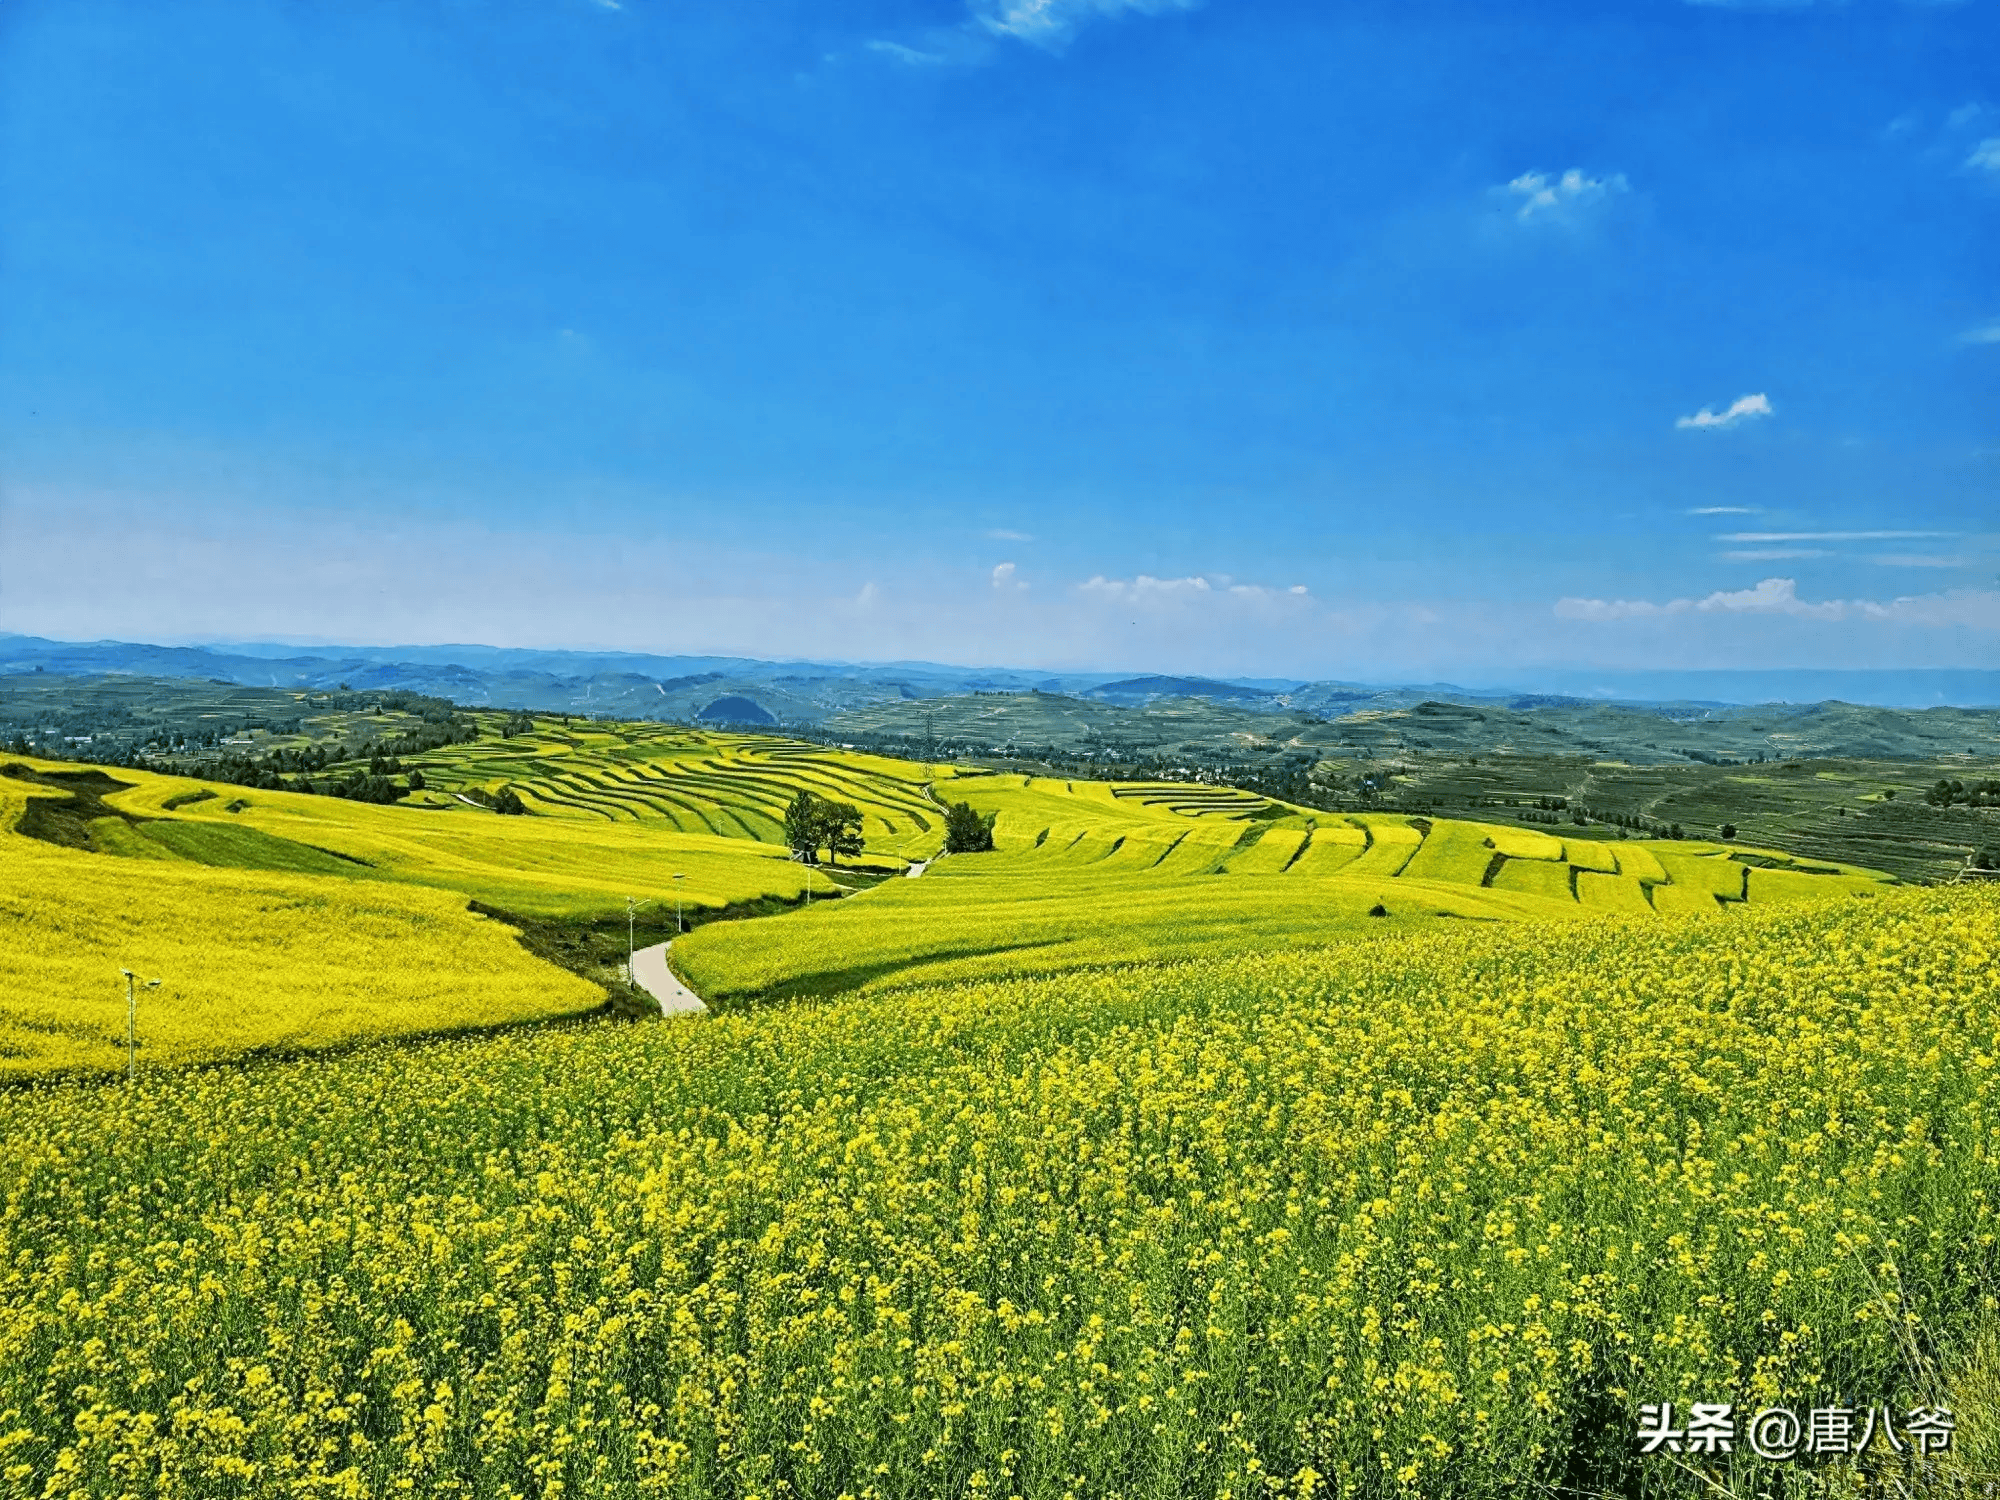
x: 651, y: 974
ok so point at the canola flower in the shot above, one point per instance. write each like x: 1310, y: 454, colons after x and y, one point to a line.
x: 1418, y: 1217
x: 252, y: 959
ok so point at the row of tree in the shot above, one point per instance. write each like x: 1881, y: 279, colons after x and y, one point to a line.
x: 1949, y: 792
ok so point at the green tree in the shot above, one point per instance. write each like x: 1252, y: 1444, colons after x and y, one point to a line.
x: 1729, y: 830
x: 839, y: 829
x: 802, y: 826
x: 965, y: 831
x: 509, y: 802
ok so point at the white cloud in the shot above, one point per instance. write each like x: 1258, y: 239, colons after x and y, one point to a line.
x: 1001, y: 534
x: 1829, y: 536
x: 1780, y: 596
x: 1050, y: 23
x: 1143, y: 587
x: 1003, y: 578
x: 1742, y: 409
x: 1551, y: 199
x: 1776, y: 554
x: 1918, y: 560
x: 902, y: 54
x: 1986, y: 155
x: 1986, y: 333
x: 1723, y: 510
x: 1146, y: 589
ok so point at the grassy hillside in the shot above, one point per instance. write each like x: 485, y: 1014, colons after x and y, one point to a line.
x: 573, y: 866
x: 1428, y: 1216
x: 252, y: 959
x: 1088, y: 872
x: 698, y: 782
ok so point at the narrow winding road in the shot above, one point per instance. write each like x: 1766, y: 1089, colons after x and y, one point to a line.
x: 651, y: 974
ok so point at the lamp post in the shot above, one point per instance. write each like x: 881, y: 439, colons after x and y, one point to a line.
x: 631, y: 906
x: 678, y: 929
x: 132, y: 1021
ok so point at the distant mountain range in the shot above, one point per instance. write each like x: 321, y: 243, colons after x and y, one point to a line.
x: 636, y: 685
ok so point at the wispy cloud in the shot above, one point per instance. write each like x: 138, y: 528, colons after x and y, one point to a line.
x: 1776, y: 554
x: 911, y: 55
x: 1977, y: 608
x: 1001, y: 534
x: 1742, y: 409
x: 1986, y: 155
x: 1829, y: 536
x: 1146, y: 589
x: 1541, y: 197
x: 1918, y: 560
x: 1003, y: 578
x: 1050, y: 23
x: 1985, y: 333
x: 1723, y: 510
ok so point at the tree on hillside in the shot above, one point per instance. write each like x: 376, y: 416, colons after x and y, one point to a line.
x: 1729, y: 830
x: 965, y: 831
x: 509, y: 802
x: 839, y: 829
x: 802, y: 826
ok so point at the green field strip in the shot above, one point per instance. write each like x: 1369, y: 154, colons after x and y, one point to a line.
x: 542, y: 791
x: 1332, y: 849
x: 1268, y: 855
x: 1798, y: 885
x: 580, y: 788
x: 1588, y: 854
x: 653, y: 802
x: 1203, y: 847
x: 1709, y: 873
x: 780, y: 789
x: 1620, y: 893
x: 583, y: 797
x: 1535, y: 877
x: 726, y: 791
x: 687, y: 807
x: 1133, y: 852
x: 1523, y: 843
x: 1392, y: 845
x: 602, y: 786
x: 1456, y: 853
x: 1090, y: 847
x: 1640, y: 863
x: 127, y: 840
x: 530, y: 792
x: 1684, y: 901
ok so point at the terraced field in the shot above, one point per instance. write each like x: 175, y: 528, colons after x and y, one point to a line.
x: 261, y: 957
x: 1086, y: 873
x: 710, y: 785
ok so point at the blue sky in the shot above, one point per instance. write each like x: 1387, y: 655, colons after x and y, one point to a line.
x: 1358, y: 340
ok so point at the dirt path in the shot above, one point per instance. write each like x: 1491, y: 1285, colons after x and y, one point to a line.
x: 651, y: 974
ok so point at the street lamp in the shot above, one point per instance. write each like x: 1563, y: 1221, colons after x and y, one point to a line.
x: 677, y: 904
x: 631, y: 906
x: 132, y: 1021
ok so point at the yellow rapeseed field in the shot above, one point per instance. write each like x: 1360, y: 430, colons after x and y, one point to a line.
x: 250, y: 959
x: 1425, y: 1216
